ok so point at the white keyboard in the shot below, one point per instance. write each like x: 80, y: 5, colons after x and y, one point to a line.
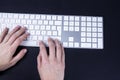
x: 72, y: 31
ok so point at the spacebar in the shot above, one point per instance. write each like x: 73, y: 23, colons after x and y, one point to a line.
x: 29, y: 43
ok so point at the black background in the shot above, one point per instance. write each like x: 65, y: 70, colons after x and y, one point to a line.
x: 81, y: 64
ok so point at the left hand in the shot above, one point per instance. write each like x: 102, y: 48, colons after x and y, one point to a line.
x: 9, y: 42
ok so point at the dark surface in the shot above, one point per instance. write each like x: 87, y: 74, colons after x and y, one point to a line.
x: 81, y: 64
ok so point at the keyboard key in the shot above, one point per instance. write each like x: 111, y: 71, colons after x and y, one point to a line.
x: 77, y: 29
x: 65, y: 44
x: 100, y: 43
x: 76, y: 44
x: 83, y: 18
x: 58, y: 23
x: 86, y: 45
x: 71, y: 39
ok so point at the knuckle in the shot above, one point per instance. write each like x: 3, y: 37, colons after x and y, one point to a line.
x: 19, y: 40
x: 14, y: 36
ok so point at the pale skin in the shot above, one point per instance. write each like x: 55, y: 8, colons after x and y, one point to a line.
x: 50, y: 67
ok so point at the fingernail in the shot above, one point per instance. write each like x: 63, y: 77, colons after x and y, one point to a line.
x: 40, y: 42
x: 25, y: 50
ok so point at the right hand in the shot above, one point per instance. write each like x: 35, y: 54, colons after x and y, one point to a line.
x: 51, y: 67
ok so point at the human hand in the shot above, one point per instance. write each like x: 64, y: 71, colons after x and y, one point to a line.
x: 9, y: 42
x: 51, y: 67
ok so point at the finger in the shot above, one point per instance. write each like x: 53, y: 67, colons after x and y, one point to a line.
x: 11, y: 33
x: 18, y: 57
x: 43, y: 52
x: 63, y: 56
x: 51, y: 45
x: 39, y: 60
x: 16, y: 35
x: 59, y: 52
x: 18, y: 41
x: 3, y: 34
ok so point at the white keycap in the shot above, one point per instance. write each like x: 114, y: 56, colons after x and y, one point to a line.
x: 99, y: 29
x: 54, y: 28
x: 28, y: 21
x: 66, y: 23
x: 71, y: 18
x: 16, y: 16
x: 40, y: 37
x: 77, y: 29
x: 89, y: 19
x: 45, y: 22
x: 77, y: 18
x: 26, y: 16
x: 40, y: 22
x: 88, y: 34
x: 94, y: 29
x: 71, y: 23
x: 31, y: 27
x: 100, y: 35
x: 65, y: 44
x: 88, y: 39
x: 21, y: 16
x: 100, y: 43
x: 32, y: 32
x: 83, y: 34
x: 43, y: 32
x: 76, y: 44
x: 65, y: 28
x: 34, y: 38
x: 54, y: 33
x: 65, y: 17
x: 48, y: 17
x: 89, y: 29
x: 50, y: 22
x: 86, y: 45
x: 58, y: 23
x: 37, y: 27
x: 94, y: 19
x: 100, y: 19
x: 88, y: 24
x: 83, y: 23
x: 37, y: 16
x: 94, y: 34
x: 71, y: 28
x: 31, y: 16
x: 83, y: 18
x: 71, y: 39
x: 37, y: 32
x: 59, y: 33
x: 43, y: 17
x: 83, y: 39
x: 94, y: 39
x: 100, y: 24
x: 77, y: 24
x: 29, y: 43
x: 34, y: 22
x: 59, y: 28
x: 54, y: 18
x: 83, y: 28
x: 42, y: 27
x: 59, y: 17
x: 47, y: 27
x: 49, y: 33
x: 70, y: 44
x: 94, y: 24
x: 94, y: 45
